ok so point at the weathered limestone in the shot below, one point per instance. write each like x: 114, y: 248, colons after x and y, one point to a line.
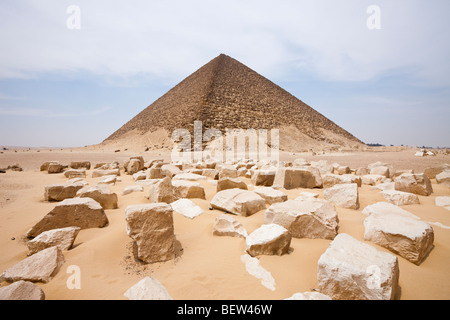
x: 353, y: 270
x: 100, y: 193
x: 55, y: 167
x: 432, y: 172
x: 417, y: 183
x: 400, y: 198
x: 443, y: 178
x: 131, y: 189
x: 443, y: 202
x: 298, y: 177
x: 263, y: 177
x: 148, y: 289
x: 60, y: 192
x: 408, y: 237
x: 387, y: 208
x: 141, y: 175
x: 231, y: 183
x: 226, y: 225
x: 151, y: 227
x: 44, y: 166
x: 80, y: 165
x: 161, y: 190
x: 187, y: 208
x: 154, y: 173
x: 330, y: 180
x: 269, y: 239
x: 372, y: 179
x: 343, y: 195
x: 227, y: 171
x: 109, y: 179
x: 309, y: 296
x: 271, y: 195
x: 134, y: 165
x: 40, y: 267
x: 84, y: 213
x: 237, y: 201
x: 323, y: 166
x: 188, y: 189
x: 312, y: 218
x: 169, y: 170
x: 105, y: 172
x: 75, y: 173
x: 188, y: 177
x: 62, y: 238
x: 22, y: 290
x: 211, y: 173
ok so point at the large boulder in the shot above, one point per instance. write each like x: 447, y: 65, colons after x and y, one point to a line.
x: 151, y: 227
x: 226, y: 225
x: 44, y: 166
x: 269, y: 239
x: 309, y: 218
x: 298, y: 177
x: 400, y: 198
x: 60, y: 192
x: 353, y: 270
x: 170, y: 170
x: 183, y: 189
x: 62, y: 238
x: 211, y: 173
x: 231, y: 183
x: 271, y: 195
x: 417, y: 183
x: 75, y: 173
x: 323, y: 166
x: 408, y: 237
x: 134, y: 165
x: 263, y: 177
x: 100, y: 193
x: 161, y: 190
x: 84, y: 213
x: 372, y: 179
x: 22, y: 290
x: 237, y: 201
x: 432, y: 172
x: 343, y: 195
x: 443, y: 178
x: 80, y: 165
x: 40, y: 267
x: 148, y: 289
x: 330, y: 180
x: 55, y: 167
x: 227, y: 171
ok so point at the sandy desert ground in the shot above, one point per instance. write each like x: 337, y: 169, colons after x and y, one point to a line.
x: 207, y: 267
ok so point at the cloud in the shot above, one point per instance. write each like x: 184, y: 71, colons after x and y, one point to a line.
x: 170, y: 39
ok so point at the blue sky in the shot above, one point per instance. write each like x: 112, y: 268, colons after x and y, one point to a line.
x: 62, y: 87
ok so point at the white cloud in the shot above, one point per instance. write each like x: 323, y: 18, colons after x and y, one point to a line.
x: 172, y: 38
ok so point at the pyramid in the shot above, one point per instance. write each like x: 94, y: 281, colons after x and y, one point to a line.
x: 226, y: 94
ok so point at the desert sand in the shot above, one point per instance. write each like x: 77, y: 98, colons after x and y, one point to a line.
x: 206, y: 267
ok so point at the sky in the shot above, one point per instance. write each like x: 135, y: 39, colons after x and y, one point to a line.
x: 73, y: 72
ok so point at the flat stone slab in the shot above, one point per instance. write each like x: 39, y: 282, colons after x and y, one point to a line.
x: 226, y: 225
x: 400, y: 198
x: 187, y: 208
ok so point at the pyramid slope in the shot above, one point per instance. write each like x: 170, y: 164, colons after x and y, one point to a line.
x: 225, y: 94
